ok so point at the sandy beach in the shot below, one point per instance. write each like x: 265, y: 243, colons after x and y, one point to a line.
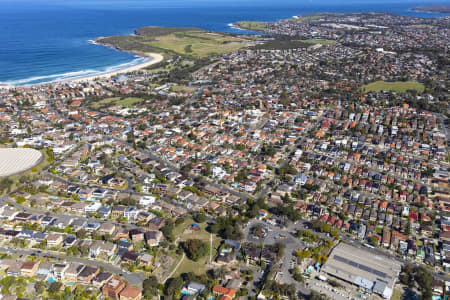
x: 156, y: 58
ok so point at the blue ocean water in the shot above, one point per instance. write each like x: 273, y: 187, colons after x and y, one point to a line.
x: 48, y: 40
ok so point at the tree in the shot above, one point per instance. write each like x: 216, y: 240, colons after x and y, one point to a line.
x: 54, y: 287
x: 173, y: 285
x: 186, y: 169
x: 373, y: 241
x: 316, y: 296
x: 325, y: 228
x: 195, y: 249
x: 81, y: 234
x: 408, y: 228
x: 39, y: 287
x: 167, y: 231
x: 297, y: 275
x: 199, y: 217
x: 150, y: 287
x: 406, y: 277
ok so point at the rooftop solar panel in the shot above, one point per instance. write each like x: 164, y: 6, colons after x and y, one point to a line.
x: 360, y: 266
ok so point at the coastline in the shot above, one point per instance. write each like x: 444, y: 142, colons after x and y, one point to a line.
x: 435, y: 9
x: 150, y: 59
x: 155, y: 58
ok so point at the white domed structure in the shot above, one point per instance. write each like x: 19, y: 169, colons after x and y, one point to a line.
x: 18, y: 160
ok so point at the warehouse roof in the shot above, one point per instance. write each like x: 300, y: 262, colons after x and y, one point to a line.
x: 362, y: 267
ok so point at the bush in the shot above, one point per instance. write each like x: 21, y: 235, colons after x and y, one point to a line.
x: 199, y: 217
x: 195, y: 249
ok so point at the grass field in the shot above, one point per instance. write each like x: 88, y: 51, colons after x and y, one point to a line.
x: 397, y: 86
x: 251, y: 25
x: 197, y: 267
x: 129, y: 102
x: 198, y: 43
x: 397, y: 294
x: 181, y: 88
x: 191, y: 42
x: 323, y: 42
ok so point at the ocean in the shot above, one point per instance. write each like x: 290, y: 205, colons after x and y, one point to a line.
x: 48, y: 40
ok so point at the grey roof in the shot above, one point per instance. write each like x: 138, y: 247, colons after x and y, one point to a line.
x: 361, y: 266
x: 196, y: 286
x: 379, y: 287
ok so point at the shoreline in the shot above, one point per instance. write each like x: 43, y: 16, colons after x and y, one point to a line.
x: 155, y: 58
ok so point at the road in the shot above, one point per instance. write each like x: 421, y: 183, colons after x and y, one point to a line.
x: 291, y: 149
x: 292, y: 244
x: 175, y: 168
x: 4, y: 200
x: 376, y: 170
x: 133, y: 278
x: 291, y: 227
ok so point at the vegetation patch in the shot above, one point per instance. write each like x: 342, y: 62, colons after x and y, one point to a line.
x: 128, y: 102
x: 396, y: 86
x: 322, y: 42
x: 251, y: 25
x: 184, y: 41
x: 282, y: 45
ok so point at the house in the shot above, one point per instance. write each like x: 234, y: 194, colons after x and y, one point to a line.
x: 118, y: 211
x: 153, y: 237
x: 136, y: 235
x: 101, y: 247
x: 38, y: 237
x: 125, y: 245
x: 106, y: 228
x: 87, y: 274
x: 92, y: 207
x: 221, y: 291
x: 113, y: 287
x: 104, y: 211
x: 54, y: 240
x: 92, y: 226
x: 71, y: 273
x: 147, y: 200
x: 14, y: 268
x: 301, y: 179
x: 131, y: 212
x: 29, y: 268
x: 146, y: 259
x: 101, y: 279
x: 130, y: 293
x: 130, y: 256
x: 144, y: 216
x: 44, y: 269
x: 59, y: 271
x: 386, y: 238
x: 70, y: 240
x: 195, y: 287
x: 120, y: 233
x: 156, y: 223
x: 99, y: 193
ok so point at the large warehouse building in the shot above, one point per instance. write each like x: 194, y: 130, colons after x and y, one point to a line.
x: 363, y: 268
x: 17, y: 160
